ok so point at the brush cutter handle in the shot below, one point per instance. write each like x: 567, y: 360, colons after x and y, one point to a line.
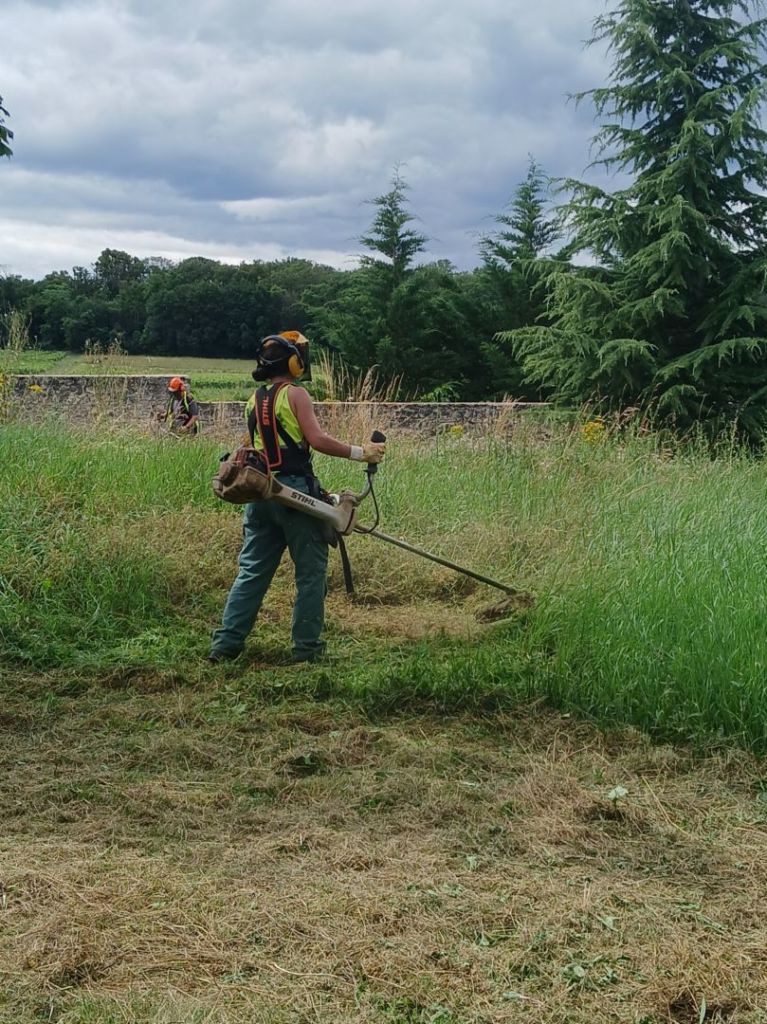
x: 370, y: 470
x: 377, y: 438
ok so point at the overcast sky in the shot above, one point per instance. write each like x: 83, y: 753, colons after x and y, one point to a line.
x: 256, y: 129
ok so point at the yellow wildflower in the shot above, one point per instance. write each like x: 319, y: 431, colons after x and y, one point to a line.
x: 594, y: 430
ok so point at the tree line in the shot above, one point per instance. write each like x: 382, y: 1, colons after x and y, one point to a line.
x: 424, y: 323
x: 652, y: 295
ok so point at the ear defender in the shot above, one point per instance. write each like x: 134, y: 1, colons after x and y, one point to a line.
x: 294, y: 359
x: 296, y: 362
x: 296, y: 366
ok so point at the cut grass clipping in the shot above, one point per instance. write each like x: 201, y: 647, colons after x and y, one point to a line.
x: 193, y: 856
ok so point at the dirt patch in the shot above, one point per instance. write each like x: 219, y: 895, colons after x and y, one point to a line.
x: 689, y: 1009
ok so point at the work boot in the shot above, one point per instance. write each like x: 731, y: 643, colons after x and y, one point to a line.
x: 307, y: 657
x: 216, y: 657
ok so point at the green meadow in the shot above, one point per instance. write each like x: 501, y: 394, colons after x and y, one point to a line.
x: 646, y: 564
x: 213, y: 380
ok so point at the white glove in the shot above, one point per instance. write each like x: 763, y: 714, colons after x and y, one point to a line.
x: 370, y: 452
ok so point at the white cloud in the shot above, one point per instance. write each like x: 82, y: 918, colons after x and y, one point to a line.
x: 266, y: 208
x: 63, y: 246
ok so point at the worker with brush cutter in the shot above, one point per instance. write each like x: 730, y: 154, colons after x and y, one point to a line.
x: 283, y: 426
x: 182, y: 411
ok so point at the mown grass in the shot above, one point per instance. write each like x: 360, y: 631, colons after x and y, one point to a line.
x: 181, y: 853
x: 29, y: 360
x: 647, y: 565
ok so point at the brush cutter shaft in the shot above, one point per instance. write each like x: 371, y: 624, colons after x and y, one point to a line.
x: 436, y: 558
x: 342, y: 516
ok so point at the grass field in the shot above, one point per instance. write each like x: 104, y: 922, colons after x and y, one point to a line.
x: 647, y: 566
x: 426, y: 829
x: 173, y: 850
x: 213, y: 380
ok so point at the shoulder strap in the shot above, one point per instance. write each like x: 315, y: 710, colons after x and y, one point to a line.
x: 269, y: 427
x: 294, y: 457
x: 289, y: 441
x: 252, y: 421
x: 266, y: 423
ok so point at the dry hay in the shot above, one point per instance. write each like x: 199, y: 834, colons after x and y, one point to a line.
x: 160, y: 862
x: 398, y: 596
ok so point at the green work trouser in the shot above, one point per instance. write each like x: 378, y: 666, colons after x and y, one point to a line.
x: 268, y: 529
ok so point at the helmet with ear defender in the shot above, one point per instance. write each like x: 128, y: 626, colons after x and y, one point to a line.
x: 292, y: 351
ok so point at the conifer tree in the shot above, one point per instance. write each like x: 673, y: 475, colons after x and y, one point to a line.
x: 371, y: 319
x: 404, y: 318
x: 390, y: 237
x: 516, y: 266
x: 669, y: 310
x: 526, y: 231
x: 5, y: 133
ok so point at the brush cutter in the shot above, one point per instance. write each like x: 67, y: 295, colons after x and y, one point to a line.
x: 341, y: 515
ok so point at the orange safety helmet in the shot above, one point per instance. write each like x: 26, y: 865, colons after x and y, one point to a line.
x: 175, y: 384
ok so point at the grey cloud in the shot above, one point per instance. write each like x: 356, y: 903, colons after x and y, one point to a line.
x: 160, y: 120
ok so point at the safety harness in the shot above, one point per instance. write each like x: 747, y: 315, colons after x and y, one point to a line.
x: 291, y: 458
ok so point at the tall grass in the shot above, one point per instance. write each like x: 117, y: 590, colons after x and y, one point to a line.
x: 648, y: 565
x: 334, y: 381
x: 93, y: 543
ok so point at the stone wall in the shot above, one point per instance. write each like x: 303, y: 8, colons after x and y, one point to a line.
x: 137, y: 399
x: 80, y: 398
